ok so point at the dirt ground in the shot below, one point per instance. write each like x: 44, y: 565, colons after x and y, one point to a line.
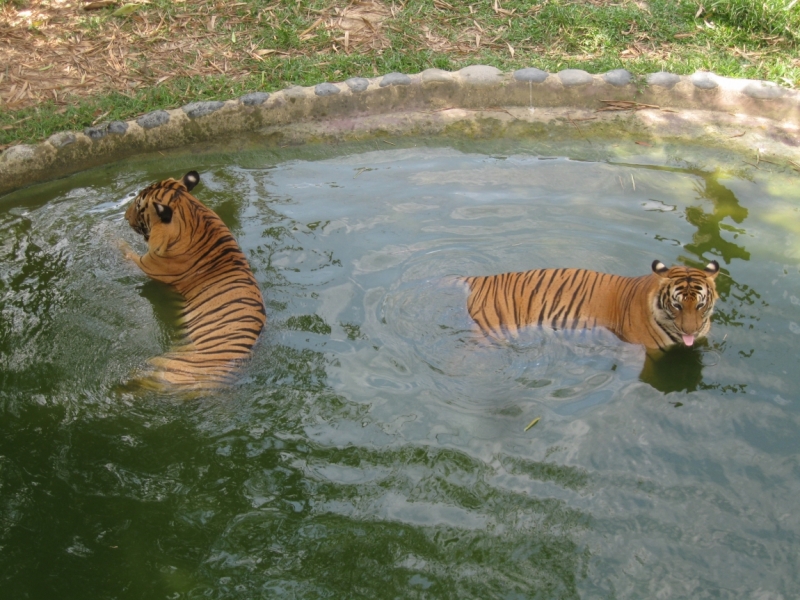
x: 58, y: 49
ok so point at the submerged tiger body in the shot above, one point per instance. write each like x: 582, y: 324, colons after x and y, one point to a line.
x: 191, y: 249
x: 670, y: 306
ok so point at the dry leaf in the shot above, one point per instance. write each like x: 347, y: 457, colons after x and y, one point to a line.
x: 126, y: 10
x: 98, y: 4
x: 100, y: 118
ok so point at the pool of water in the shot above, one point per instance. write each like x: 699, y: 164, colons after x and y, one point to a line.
x: 375, y: 446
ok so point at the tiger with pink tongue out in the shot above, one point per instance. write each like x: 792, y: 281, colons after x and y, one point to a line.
x: 686, y: 305
x: 670, y: 306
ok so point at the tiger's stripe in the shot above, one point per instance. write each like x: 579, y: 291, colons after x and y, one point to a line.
x: 191, y: 249
x: 666, y: 307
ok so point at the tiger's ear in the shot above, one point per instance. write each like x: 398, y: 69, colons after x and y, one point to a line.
x: 712, y: 269
x: 163, y: 211
x: 191, y: 179
x: 659, y: 268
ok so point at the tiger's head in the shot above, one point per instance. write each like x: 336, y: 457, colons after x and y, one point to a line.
x: 156, y: 203
x: 685, y: 300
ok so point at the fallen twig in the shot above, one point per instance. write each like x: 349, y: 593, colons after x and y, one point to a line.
x: 532, y: 423
x: 579, y: 130
x: 755, y: 166
x: 625, y: 105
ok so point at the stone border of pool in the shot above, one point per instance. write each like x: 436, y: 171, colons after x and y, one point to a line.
x: 477, y: 101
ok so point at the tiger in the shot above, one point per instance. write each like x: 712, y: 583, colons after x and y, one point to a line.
x: 191, y: 249
x: 668, y: 307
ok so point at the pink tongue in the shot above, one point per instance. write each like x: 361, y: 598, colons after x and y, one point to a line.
x: 688, y: 340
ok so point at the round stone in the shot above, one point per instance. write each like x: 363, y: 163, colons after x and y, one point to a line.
x: 481, y: 74
x: 296, y: 91
x: 663, y: 79
x: 395, y: 79
x: 357, y: 84
x: 153, y: 119
x: 618, y: 77
x: 531, y: 74
x: 18, y: 152
x: 195, y: 110
x: 435, y: 76
x: 326, y: 89
x: 254, y: 98
x: 61, y: 139
x: 704, y: 81
x: 763, y: 90
x: 96, y: 133
x: 574, y: 77
x: 117, y: 127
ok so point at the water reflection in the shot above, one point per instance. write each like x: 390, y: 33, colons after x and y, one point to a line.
x: 428, y: 520
x: 725, y: 205
x: 34, y: 286
x: 681, y: 368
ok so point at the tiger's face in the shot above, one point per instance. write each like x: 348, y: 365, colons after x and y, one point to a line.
x: 685, y: 300
x: 157, y: 203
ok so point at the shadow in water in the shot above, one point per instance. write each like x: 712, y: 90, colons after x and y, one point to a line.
x: 679, y: 370
x: 167, y: 305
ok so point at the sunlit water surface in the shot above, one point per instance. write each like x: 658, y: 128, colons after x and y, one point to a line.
x: 376, y: 446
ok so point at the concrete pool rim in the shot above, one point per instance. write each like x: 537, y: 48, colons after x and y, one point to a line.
x: 749, y: 116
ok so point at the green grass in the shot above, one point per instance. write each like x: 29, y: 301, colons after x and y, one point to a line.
x: 737, y: 38
x: 749, y: 17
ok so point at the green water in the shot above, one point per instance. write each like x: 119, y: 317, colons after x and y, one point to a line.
x: 374, y: 447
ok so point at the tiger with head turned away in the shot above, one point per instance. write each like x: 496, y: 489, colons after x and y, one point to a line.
x: 192, y: 250
x: 670, y: 306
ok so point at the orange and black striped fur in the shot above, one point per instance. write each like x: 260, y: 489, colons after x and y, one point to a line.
x: 667, y: 307
x: 191, y: 249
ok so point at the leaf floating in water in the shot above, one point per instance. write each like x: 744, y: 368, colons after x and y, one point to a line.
x: 532, y: 423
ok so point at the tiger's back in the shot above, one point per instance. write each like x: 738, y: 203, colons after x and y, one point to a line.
x: 666, y: 307
x: 191, y: 249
